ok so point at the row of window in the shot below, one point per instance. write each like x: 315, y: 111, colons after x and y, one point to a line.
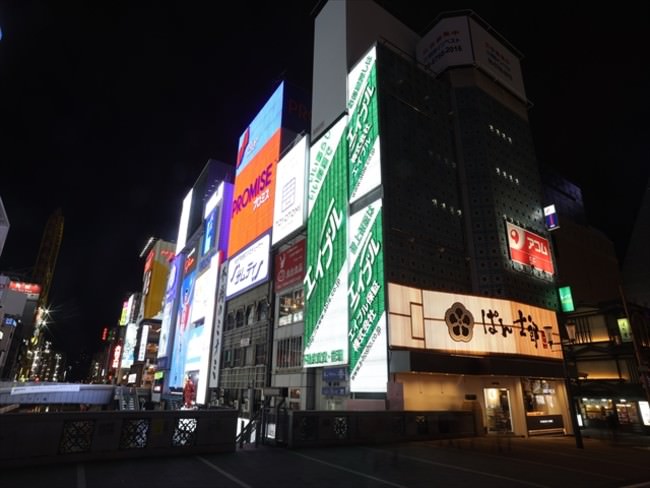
x: 248, y: 314
x: 243, y: 356
x: 288, y: 354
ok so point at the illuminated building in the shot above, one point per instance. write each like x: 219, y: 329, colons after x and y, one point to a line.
x: 429, y: 275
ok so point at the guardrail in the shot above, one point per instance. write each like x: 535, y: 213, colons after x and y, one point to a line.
x: 41, y: 438
x: 328, y: 428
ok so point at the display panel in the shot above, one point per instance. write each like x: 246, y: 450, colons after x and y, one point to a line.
x: 182, y: 332
x: 466, y: 324
x: 253, y: 199
x: 528, y: 248
x: 169, y: 309
x: 249, y: 268
x: 366, y: 301
x: 289, y: 206
x: 364, y: 158
x: 326, y: 319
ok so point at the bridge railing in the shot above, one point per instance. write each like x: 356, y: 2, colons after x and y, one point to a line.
x: 319, y: 428
x: 41, y: 438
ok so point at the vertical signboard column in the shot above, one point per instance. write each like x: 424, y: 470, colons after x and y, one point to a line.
x: 366, y: 299
x: 326, y: 277
x: 366, y: 288
x: 364, y: 164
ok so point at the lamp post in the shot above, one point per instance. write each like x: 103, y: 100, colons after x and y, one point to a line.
x: 570, y: 328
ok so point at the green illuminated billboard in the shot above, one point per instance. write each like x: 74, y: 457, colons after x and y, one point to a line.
x: 366, y: 301
x: 364, y: 169
x: 326, y: 279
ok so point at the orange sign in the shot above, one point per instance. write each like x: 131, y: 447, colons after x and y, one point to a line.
x: 252, y: 205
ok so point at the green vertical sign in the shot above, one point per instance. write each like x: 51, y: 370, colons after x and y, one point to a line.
x: 325, y: 336
x: 566, y: 299
x: 366, y: 302
x: 364, y: 170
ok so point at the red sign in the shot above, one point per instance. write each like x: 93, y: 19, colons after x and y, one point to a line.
x: 290, y: 266
x: 528, y: 248
x: 29, y: 288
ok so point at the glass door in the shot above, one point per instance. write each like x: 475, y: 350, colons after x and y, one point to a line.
x: 497, y: 410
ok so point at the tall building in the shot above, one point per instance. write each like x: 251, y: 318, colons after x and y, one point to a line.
x: 636, y: 265
x: 429, y: 275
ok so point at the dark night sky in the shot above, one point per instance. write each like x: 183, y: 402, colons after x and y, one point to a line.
x: 110, y: 109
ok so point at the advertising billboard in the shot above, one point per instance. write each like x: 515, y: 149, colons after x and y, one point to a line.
x: 264, y: 126
x: 447, y: 44
x: 32, y: 290
x: 124, y: 315
x: 290, y: 266
x: 184, y: 222
x: 326, y: 319
x: 551, y: 218
x: 367, y: 334
x: 461, y: 41
x: 497, y: 60
x: 130, y: 341
x: 219, y: 318
x: 253, y: 199
x: 465, y: 324
x: 142, y: 349
x: 169, y: 308
x: 182, y: 332
x: 156, y: 269
x: 364, y: 159
x: 200, y: 329
x: 289, y: 207
x: 528, y: 248
x: 249, y: 268
x: 254, y: 192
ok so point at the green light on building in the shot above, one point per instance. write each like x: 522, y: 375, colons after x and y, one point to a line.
x: 566, y: 299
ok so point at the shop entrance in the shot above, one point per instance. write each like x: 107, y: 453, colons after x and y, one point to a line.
x: 497, y: 410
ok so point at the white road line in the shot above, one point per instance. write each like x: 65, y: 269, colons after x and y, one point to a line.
x: 81, y: 476
x: 467, y: 470
x: 343, y: 468
x: 225, y: 473
x: 556, y: 466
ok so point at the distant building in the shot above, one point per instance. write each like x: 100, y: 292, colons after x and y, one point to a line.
x: 636, y: 265
x: 4, y: 225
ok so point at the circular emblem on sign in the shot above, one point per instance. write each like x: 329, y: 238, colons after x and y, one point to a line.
x: 460, y: 322
x: 516, y: 238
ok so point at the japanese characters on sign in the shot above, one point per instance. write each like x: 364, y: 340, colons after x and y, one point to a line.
x: 462, y: 323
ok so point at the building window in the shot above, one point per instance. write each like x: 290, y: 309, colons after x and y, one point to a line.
x: 250, y: 314
x: 238, y: 356
x: 239, y: 317
x: 230, y: 321
x: 227, y: 358
x: 262, y: 310
x: 289, y: 353
x: 260, y: 354
x: 292, y: 305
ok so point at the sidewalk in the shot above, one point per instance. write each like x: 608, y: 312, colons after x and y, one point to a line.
x: 623, y: 439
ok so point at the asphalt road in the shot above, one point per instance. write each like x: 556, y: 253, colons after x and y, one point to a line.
x: 482, y: 462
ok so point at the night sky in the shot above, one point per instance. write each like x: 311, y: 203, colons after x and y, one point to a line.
x: 110, y: 109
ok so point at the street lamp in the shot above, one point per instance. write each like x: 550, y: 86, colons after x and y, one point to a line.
x: 570, y: 328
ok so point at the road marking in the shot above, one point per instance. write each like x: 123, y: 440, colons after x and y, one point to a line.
x: 474, y: 471
x: 225, y: 473
x: 343, y: 468
x: 81, y: 476
x: 557, y: 466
